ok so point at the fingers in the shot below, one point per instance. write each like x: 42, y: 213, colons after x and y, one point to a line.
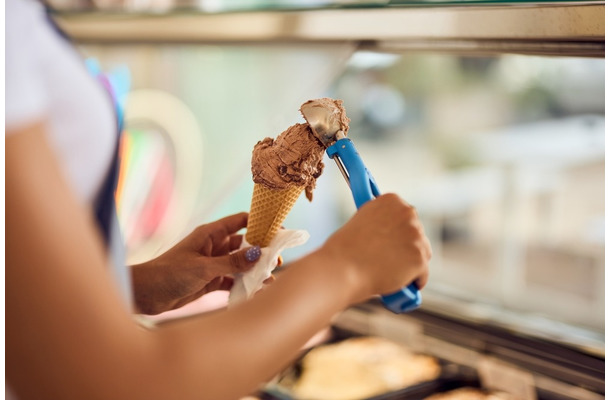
x: 230, y: 244
x: 251, y: 254
x: 216, y: 232
x: 422, y: 280
x: 235, y: 262
x: 235, y: 242
x: 220, y: 283
x: 231, y: 224
x: 397, y: 238
x: 426, y: 251
x: 211, y: 239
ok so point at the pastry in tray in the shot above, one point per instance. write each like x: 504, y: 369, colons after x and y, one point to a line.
x: 361, y: 367
x: 469, y: 393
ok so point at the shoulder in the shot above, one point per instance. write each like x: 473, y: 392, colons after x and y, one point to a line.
x: 22, y: 18
x: 26, y: 34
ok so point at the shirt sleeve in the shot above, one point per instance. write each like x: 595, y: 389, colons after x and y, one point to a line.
x: 25, y: 95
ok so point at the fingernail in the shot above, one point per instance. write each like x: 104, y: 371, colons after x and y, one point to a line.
x: 253, y: 253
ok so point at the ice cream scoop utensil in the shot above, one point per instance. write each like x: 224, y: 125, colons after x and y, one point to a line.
x: 362, y: 184
x: 323, y: 123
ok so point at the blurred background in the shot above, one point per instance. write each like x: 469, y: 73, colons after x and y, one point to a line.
x: 503, y: 157
x: 487, y: 116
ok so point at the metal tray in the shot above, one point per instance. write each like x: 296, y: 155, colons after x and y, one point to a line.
x: 452, y: 376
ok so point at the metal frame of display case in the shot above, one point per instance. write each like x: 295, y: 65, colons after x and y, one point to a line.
x: 554, y: 371
x: 567, y: 29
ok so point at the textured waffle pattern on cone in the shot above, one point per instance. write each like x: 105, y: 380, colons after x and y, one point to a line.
x: 268, y: 210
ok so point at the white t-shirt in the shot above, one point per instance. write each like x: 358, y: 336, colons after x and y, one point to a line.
x: 47, y: 80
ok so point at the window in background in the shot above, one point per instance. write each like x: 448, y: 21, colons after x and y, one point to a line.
x: 504, y: 159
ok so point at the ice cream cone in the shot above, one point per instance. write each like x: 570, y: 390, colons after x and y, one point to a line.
x: 268, y: 210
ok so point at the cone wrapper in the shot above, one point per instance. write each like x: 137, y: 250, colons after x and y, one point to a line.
x: 247, y: 283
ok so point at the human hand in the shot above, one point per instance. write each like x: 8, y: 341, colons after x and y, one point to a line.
x: 201, y: 263
x: 384, y: 245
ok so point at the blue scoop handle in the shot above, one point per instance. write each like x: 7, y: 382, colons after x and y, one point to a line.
x: 364, y: 188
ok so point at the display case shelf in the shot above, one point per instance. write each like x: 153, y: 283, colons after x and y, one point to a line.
x: 547, y: 28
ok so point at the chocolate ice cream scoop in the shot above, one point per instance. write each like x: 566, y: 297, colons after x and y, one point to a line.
x: 294, y: 158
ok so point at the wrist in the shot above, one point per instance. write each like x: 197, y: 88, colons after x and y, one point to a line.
x: 142, y: 281
x: 343, y: 272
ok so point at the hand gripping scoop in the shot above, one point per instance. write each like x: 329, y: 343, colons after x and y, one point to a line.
x: 325, y: 124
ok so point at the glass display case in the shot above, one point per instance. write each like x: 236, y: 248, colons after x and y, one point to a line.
x: 488, y: 117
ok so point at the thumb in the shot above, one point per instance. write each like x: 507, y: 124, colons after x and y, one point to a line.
x: 238, y: 261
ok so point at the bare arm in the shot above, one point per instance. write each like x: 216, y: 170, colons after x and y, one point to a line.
x: 68, y: 335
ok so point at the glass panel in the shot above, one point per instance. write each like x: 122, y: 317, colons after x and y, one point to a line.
x: 504, y: 159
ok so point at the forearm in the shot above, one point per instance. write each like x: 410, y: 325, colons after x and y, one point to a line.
x: 271, y: 329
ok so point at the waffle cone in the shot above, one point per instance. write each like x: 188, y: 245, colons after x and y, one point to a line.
x: 268, y: 210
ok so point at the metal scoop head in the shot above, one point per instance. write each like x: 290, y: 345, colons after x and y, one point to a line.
x: 322, y: 121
